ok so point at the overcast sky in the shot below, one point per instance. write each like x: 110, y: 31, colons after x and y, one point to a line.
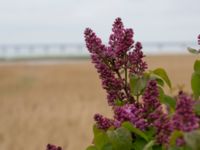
x: 58, y: 21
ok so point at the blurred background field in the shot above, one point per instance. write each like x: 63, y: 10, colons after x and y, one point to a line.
x: 44, y: 103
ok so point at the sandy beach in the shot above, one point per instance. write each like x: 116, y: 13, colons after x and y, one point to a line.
x: 55, y: 103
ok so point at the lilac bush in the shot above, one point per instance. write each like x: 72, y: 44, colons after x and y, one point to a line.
x: 144, y: 116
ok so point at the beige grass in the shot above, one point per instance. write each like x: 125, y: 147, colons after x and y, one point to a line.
x: 42, y: 104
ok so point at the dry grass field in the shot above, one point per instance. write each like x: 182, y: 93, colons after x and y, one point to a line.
x: 55, y: 103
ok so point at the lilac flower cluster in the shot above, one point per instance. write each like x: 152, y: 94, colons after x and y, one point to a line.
x: 103, y: 122
x: 137, y: 65
x: 102, y: 60
x: 136, y: 114
x: 121, y: 39
x: 53, y: 147
x: 184, y: 118
x: 131, y: 113
x: 115, y: 63
x: 154, y: 113
x: 152, y: 106
x: 120, y: 56
x: 150, y: 114
x: 164, y: 129
x: 127, y: 112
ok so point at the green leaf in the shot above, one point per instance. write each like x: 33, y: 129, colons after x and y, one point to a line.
x: 195, y: 83
x: 92, y: 148
x: 120, y: 139
x: 162, y: 73
x: 193, y: 51
x: 168, y: 100
x: 107, y: 147
x: 197, y: 66
x: 149, y: 145
x: 192, y: 139
x: 197, y: 108
x: 119, y: 102
x: 139, y: 144
x: 133, y: 84
x: 174, y: 148
x: 175, y: 134
x: 100, y: 138
x: 161, y: 92
x: 150, y: 133
x: 158, y: 79
x: 135, y: 130
x: 158, y: 147
x: 96, y: 130
x: 137, y: 84
x: 179, y: 148
x: 160, y: 82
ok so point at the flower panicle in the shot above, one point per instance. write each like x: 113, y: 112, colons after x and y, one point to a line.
x: 131, y: 113
x: 164, y: 128
x: 103, y: 122
x: 53, y: 147
x: 136, y: 64
x: 185, y: 118
x: 121, y: 55
x: 121, y: 39
x: 152, y: 105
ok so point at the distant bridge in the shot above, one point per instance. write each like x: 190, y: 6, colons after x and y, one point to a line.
x: 13, y: 51
x: 35, y: 46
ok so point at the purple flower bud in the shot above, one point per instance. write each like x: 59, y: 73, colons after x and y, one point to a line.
x: 152, y: 106
x: 130, y: 112
x: 198, y: 39
x: 154, y: 113
x: 184, y: 118
x: 164, y: 129
x: 53, y: 147
x: 121, y: 39
x: 136, y: 64
x: 103, y: 122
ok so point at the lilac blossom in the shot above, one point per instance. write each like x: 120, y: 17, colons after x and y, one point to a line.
x: 110, y: 61
x: 185, y: 118
x: 154, y: 113
x: 164, y: 128
x: 152, y: 105
x: 103, y: 122
x: 122, y: 58
x: 136, y: 64
x: 53, y: 147
x: 121, y: 39
x: 131, y: 113
x: 101, y: 58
